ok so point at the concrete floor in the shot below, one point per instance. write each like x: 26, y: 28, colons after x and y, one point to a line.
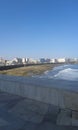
x: 18, y: 113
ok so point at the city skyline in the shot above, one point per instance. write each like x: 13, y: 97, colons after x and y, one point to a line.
x: 42, y: 28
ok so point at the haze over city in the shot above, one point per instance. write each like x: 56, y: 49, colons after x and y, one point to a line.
x: 38, y: 28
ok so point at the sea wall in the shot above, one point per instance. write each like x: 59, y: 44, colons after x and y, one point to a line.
x: 39, y: 90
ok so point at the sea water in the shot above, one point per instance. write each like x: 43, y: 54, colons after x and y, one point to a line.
x: 64, y: 72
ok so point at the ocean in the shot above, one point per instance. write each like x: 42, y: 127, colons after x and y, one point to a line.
x: 65, y: 72
x: 64, y: 77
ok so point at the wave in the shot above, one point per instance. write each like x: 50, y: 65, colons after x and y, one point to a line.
x: 60, y: 67
x: 46, y: 72
x: 67, y: 74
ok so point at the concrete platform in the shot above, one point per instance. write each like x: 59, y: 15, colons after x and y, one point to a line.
x: 19, y: 113
x: 63, y: 94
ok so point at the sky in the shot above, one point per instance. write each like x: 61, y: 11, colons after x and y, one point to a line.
x: 38, y: 28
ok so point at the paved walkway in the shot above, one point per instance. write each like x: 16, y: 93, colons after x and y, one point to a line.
x: 18, y: 113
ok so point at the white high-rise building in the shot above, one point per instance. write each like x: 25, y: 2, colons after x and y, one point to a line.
x: 24, y: 60
x: 52, y: 61
x: 60, y: 60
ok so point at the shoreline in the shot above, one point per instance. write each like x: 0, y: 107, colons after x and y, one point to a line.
x: 29, y: 70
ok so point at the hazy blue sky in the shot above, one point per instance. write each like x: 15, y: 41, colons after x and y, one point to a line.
x: 38, y: 28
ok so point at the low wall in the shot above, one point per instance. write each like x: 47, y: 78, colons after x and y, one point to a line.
x: 40, y: 90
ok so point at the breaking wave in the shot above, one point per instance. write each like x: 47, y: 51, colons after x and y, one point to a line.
x: 65, y: 72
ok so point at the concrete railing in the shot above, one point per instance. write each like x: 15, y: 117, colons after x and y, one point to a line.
x: 40, y: 90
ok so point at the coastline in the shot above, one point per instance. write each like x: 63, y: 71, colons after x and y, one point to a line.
x: 29, y: 70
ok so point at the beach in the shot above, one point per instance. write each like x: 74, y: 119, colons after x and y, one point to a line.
x: 29, y: 70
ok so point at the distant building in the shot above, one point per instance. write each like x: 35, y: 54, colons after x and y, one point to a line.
x: 11, y: 62
x: 2, y: 62
x: 60, y: 60
x: 7, y: 62
x: 32, y: 61
x: 73, y: 60
x: 38, y: 61
x: 24, y: 60
x: 15, y: 61
x: 47, y: 60
x: 43, y: 60
x: 52, y: 60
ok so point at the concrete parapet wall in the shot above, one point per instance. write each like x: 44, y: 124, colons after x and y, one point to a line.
x: 41, y: 91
